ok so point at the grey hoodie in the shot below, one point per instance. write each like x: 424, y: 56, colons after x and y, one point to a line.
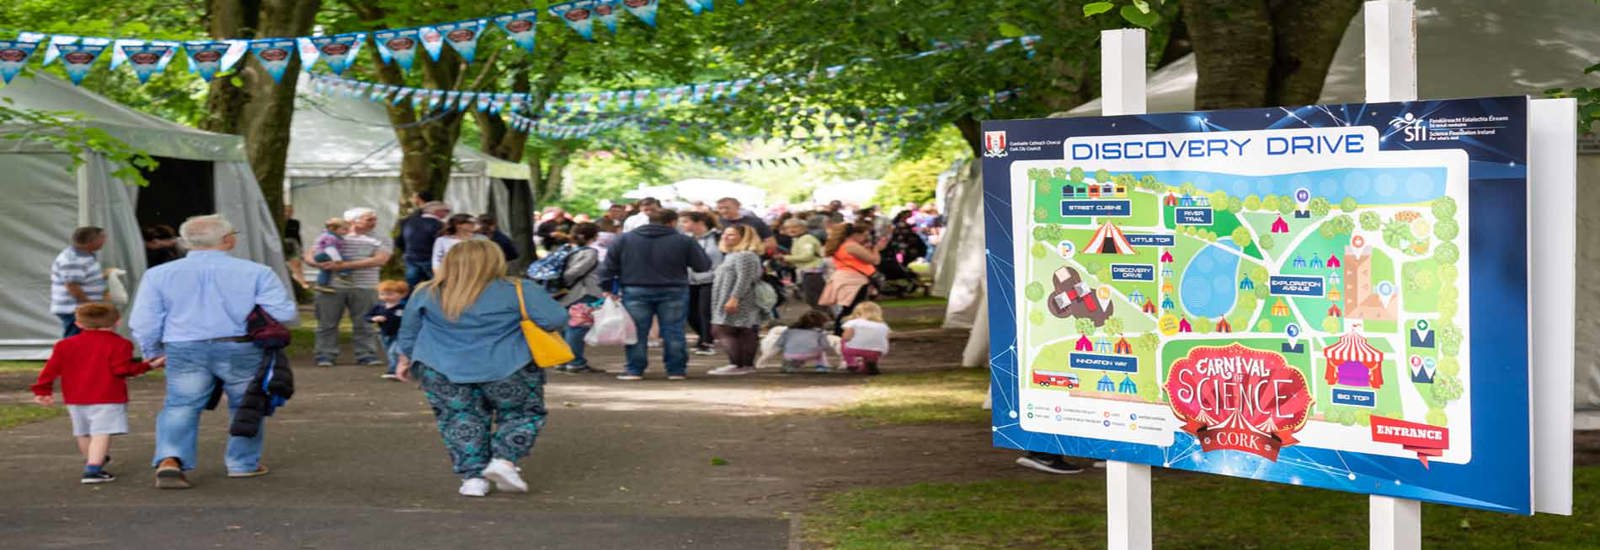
x: 710, y: 242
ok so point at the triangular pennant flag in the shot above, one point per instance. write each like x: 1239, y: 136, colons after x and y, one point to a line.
x: 117, y: 55
x: 53, y: 51
x: 77, y: 59
x: 579, y: 15
x: 463, y: 36
x: 274, y: 55
x: 14, y: 55
x: 645, y: 10
x: 147, y: 59
x: 432, y: 41
x: 308, y: 53
x: 606, y: 11
x: 338, y: 51
x: 398, y: 46
x: 520, y: 27
x: 694, y: 6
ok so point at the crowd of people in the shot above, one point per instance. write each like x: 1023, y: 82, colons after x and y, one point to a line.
x: 460, y: 323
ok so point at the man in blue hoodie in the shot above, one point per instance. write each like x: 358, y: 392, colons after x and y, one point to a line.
x: 417, y: 234
x: 652, y: 264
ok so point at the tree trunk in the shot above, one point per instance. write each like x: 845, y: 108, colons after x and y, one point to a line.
x: 261, y: 110
x: 972, y: 133
x: 1258, y: 53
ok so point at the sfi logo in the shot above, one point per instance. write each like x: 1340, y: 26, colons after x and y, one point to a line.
x: 1410, y: 127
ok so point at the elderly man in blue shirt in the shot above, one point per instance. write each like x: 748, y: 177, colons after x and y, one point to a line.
x: 192, y: 311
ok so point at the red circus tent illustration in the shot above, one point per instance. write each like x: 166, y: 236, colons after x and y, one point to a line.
x: 1122, y: 347
x: 1184, y: 326
x: 1166, y: 256
x: 1108, y: 240
x: 1223, y: 326
x: 1333, y: 261
x: 1280, y: 226
x: 1171, y: 200
x: 1333, y: 311
x: 1084, y: 344
x: 1149, y: 306
x: 1353, y: 362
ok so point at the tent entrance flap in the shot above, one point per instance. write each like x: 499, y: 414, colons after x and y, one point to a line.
x: 179, y: 189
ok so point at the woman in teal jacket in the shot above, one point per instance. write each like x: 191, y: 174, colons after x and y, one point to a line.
x: 460, y: 337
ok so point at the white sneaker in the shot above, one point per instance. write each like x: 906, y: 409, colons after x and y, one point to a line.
x: 475, y: 487
x: 630, y: 377
x: 504, y: 475
x: 731, y: 370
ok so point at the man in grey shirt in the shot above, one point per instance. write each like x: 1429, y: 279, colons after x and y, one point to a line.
x: 364, y: 254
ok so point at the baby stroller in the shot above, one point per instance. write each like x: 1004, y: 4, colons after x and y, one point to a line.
x: 898, y: 279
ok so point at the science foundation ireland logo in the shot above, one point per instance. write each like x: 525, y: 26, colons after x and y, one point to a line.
x: 1240, y: 399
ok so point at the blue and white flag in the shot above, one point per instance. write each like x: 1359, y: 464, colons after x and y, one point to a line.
x: 275, y: 54
x: 645, y: 10
x: 398, y: 46
x: 579, y: 15
x: 308, y: 53
x: 696, y: 7
x: 118, y: 57
x: 77, y: 59
x: 147, y: 59
x: 452, y: 99
x: 53, y: 50
x: 338, y: 51
x: 14, y: 55
x: 520, y: 27
x: 463, y: 36
x: 432, y: 41
x: 606, y: 11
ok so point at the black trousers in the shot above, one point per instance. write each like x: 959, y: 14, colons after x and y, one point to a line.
x: 811, y: 285
x: 844, y: 313
x: 741, y: 343
x: 700, y: 315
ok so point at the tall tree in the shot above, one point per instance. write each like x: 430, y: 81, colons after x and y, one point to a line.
x: 253, y: 105
x: 1254, y: 53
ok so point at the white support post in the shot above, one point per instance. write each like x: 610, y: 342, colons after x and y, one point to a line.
x: 1122, y: 91
x: 1391, y: 41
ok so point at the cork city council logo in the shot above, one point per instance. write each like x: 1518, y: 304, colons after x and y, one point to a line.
x: 994, y: 144
x: 1239, y: 399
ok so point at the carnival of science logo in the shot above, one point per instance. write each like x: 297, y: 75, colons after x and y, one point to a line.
x: 1239, y: 399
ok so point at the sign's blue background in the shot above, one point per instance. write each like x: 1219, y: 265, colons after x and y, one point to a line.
x: 1499, y: 476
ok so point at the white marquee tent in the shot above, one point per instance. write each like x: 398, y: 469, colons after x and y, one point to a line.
x: 1465, y: 48
x: 343, y: 153
x: 199, y: 173
x: 704, y: 190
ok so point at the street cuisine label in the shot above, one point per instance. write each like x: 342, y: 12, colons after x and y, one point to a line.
x: 1240, y: 399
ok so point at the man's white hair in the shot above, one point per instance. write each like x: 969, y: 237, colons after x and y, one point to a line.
x: 205, y: 231
x: 357, y: 213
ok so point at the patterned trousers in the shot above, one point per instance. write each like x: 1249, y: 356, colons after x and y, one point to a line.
x: 499, y: 419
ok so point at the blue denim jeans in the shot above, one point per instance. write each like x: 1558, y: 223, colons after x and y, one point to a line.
x: 669, y: 305
x: 69, y: 324
x: 417, y: 272
x: 390, y: 350
x: 192, y: 369
x: 574, y: 336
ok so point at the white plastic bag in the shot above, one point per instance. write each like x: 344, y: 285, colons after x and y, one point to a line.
x: 116, y: 289
x: 612, y: 326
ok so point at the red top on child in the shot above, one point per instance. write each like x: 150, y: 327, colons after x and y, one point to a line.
x: 92, y: 366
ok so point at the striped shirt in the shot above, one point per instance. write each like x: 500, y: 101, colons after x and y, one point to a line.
x: 74, y: 266
x: 355, y: 247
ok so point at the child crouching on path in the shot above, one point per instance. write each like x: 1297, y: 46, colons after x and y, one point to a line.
x: 805, y: 343
x: 866, y: 338
x: 93, y: 366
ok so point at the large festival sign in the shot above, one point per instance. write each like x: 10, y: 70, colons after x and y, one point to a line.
x: 1329, y: 296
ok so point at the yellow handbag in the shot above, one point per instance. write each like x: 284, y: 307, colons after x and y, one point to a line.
x: 548, y: 349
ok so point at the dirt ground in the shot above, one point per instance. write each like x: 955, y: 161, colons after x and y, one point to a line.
x: 738, y: 456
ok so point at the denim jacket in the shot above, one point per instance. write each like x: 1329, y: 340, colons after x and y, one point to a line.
x: 483, y: 345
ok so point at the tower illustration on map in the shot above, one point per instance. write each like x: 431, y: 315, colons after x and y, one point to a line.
x: 1360, y: 300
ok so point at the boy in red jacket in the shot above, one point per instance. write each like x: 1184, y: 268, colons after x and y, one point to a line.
x: 93, y: 366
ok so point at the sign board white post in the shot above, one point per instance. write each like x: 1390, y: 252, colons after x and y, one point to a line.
x: 1391, y: 47
x: 1122, y: 89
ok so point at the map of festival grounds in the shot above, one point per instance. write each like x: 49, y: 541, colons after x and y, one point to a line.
x: 1253, y: 311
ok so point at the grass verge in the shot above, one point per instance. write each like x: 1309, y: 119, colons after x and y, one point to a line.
x: 21, y: 366
x: 954, y: 395
x: 1192, y: 511
x: 17, y: 414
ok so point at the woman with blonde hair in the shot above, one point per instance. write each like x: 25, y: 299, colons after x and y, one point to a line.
x: 735, y: 316
x: 461, y: 338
